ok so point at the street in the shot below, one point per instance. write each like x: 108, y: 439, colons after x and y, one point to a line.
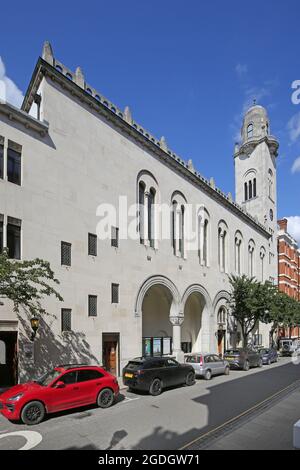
x: 171, y: 421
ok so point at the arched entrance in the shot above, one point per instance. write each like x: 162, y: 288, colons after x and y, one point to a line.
x: 156, y: 325
x: 191, y: 328
x: 158, y: 304
x: 196, y: 335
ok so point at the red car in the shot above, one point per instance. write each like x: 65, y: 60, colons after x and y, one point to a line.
x: 65, y: 387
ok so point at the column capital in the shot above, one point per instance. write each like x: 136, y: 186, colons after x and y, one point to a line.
x: 177, y: 320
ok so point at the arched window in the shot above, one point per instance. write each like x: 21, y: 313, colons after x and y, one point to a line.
x: 205, y: 243
x: 222, y: 246
x: 147, y: 194
x: 254, y: 187
x: 178, y: 224
x: 270, y: 181
x: 141, y: 210
x: 238, y: 252
x: 251, y: 247
x: 246, y: 191
x: 203, y: 224
x: 262, y: 261
x: 250, y: 131
x: 2, y: 353
x: 250, y: 189
x: 222, y: 313
x: 151, y: 202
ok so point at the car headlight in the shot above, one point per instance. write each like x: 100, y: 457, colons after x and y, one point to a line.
x: 16, y: 397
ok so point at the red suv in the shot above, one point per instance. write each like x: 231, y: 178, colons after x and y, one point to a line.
x: 65, y: 387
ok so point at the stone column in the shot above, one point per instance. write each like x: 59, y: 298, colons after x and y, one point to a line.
x: 177, y: 322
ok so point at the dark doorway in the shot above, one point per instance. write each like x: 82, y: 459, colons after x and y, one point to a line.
x: 8, y: 358
x: 110, y: 355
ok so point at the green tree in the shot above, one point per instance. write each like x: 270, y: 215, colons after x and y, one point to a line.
x: 249, y: 303
x: 27, y: 283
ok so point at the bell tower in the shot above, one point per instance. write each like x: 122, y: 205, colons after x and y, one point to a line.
x: 255, y: 171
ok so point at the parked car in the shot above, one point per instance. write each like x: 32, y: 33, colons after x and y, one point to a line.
x: 268, y: 355
x: 287, y: 346
x: 243, y: 358
x: 206, y: 364
x: 62, y: 388
x: 153, y: 374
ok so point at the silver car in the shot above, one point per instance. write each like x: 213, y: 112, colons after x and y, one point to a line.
x: 206, y: 364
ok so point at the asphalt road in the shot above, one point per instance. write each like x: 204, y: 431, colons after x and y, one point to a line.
x: 170, y: 421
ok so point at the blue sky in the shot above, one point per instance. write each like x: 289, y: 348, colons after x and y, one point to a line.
x: 187, y: 69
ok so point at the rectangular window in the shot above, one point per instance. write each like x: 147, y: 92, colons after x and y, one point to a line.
x: 92, y: 244
x: 1, y: 233
x: 92, y: 305
x: 115, y: 293
x: 66, y: 253
x: 66, y: 315
x: 14, y: 238
x: 115, y: 237
x: 14, y: 163
x: 1, y: 156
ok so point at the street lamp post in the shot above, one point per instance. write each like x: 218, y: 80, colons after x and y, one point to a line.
x: 34, y: 322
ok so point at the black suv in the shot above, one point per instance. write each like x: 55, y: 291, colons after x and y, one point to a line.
x: 152, y: 374
x: 243, y: 358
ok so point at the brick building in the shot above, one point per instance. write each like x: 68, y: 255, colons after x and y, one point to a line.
x: 288, y: 269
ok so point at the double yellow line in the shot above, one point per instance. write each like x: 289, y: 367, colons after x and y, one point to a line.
x: 241, y: 415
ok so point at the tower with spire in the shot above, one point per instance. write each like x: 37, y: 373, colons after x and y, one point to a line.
x: 255, y: 171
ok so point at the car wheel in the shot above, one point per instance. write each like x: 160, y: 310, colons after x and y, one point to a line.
x: 246, y: 366
x: 207, y: 375
x: 227, y: 370
x: 33, y: 413
x: 190, y: 379
x: 105, y: 398
x: 155, y: 388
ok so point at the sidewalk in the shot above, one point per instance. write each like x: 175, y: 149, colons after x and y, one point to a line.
x: 270, y: 430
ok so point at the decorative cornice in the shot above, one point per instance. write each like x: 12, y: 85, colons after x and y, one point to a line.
x: 123, y: 120
x: 29, y: 122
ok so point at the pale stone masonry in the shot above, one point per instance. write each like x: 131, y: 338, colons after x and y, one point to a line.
x: 76, y: 151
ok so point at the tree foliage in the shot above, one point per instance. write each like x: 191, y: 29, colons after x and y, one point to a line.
x: 251, y: 302
x: 26, y: 283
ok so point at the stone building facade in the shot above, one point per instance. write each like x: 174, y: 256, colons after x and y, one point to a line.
x: 68, y: 154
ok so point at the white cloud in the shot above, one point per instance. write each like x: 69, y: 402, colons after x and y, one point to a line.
x: 296, y: 165
x: 8, y: 89
x: 241, y: 70
x: 294, y: 227
x: 294, y: 127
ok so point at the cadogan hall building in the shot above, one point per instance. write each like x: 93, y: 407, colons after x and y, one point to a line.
x: 75, y: 173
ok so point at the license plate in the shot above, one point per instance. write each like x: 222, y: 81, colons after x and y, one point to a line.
x: 128, y: 376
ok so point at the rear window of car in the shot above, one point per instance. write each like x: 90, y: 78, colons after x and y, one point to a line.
x: 264, y: 351
x: 193, y: 359
x: 232, y: 351
x: 134, y: 365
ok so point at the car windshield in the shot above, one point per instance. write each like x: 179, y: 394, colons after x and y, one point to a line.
x: 47, y: 378
x: 264, y: 351
x: 192, y: 359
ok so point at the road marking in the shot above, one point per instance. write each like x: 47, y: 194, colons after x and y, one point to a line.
x: 258, y: 405
x: 127, y: 399
x: 33, y: 438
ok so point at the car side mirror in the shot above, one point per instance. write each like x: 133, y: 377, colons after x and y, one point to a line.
x: 59, y: 384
